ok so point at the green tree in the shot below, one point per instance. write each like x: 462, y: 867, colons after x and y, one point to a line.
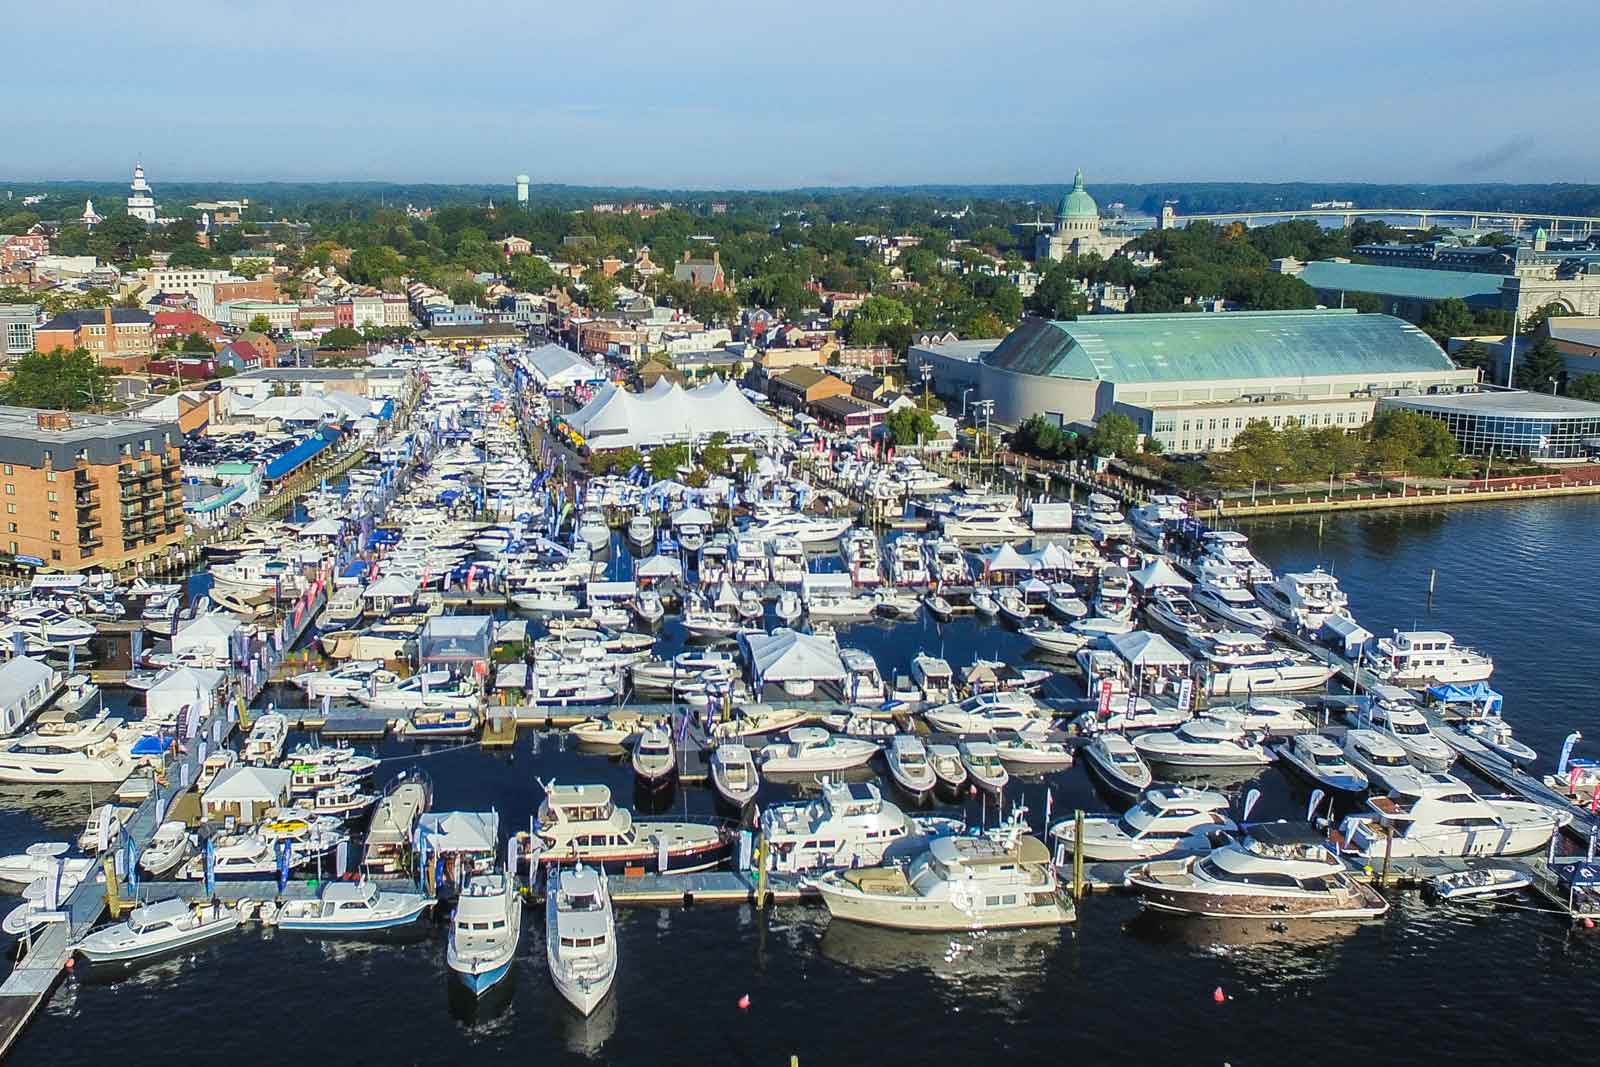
x: 910, y: 426
x: 1474, y: 355
x: 70, y: 381
x: 1335, y: 451
x: 1541, y: 368
x: 1114, y: 435
x: 341, y: 337
x: 1410, y: 441
x: 1447, y: 318
x: 260, y: 324
x: 1585, y: 387
x: 1056, y: 296
x: 466, y: 292
x: 874, y: 314
x: 714, y: 456
x: 1539, y: 317
x: 190, y: 256
x: 197, y: 344
x: 1496, y: 240
x: 984, y: 323
x: 665, y: 461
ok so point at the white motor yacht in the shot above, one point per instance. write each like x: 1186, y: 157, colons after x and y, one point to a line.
x: 642, y: 531
x: 847, y: 825
x: 734, y: 774
x: 1172, y: 610
x: 1117, y: 763
x: 1305, y: 600
x: 909, y: 769
x: 984, y: 768
x: 580, y: 936
x: 989, y: 526
x: 1382, y: 759
x: 264, y: 745
x: 156, y: 928
x: 168, y: 848
x: 1152, y: 520
x: 1324, y: 763
x: 1054, y: 639
x: 1444, y: 817
x: 1244, y: 664
x: 581, y: 824
x: 1232, y: 549
x: 593, y: 530
x: 1275, y: 871
x: 1416, y: 659
x: 485, y: 931
x: 811, y: 749
x: 934, y: 679
x: 1404, y: 721
x: 1102, y: 519
x: 347, y: 679
x: 985, y: 713
x: 806, y: 529
x: 1221, y: 591
x: 1276, y: 716
x: 999, y: 880
x: 655, y: 758
x: 1494, y: 733
x: 1166, y: 821
x: 35, y: 759
x: 41, y: 859
x: 1202, y: 743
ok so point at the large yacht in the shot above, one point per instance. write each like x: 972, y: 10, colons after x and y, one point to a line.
x: 989, y: 526
x: 987, y: 712
x: 1381, y: 758
x: 1444, y: 817
x: 1274, y: 871
x: 807, y: 529
x: 1221, y: 591
x: 580, y: 824
x: 1002, y: 879
x: 1202, y: 743
x: 1233, y: 549
x: 1102, y: 520
x: 1304, y: 600
x: 1400, y: 718
x: 580, y: 936
x: 1171, y: 609
x: 36, y: 759
x: 1416, y: 659
x: 1166, y: 820
x: 1151, y: 520
x: 848, y: 825
x: 1244, y: 663
x: 485, y: 930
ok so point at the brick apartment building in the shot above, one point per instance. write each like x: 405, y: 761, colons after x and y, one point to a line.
x: 82, y: 491
x: 120, y: 338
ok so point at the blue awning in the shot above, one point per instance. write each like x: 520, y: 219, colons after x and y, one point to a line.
x: 297, y: 456
x: 1477, y: 692
x: 151, y: 745
x: 387, y: 411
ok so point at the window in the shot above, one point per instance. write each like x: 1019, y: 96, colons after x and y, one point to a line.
x: 13, y: 548
x: 55, y: 516
x: 11, y: 509
x: 11, y: 489
x: 55, y: 535
x: 9, y: 469
x: 11, y: 527
x: 49, y: 476
x: 55, y: 553
x: 50, y: 496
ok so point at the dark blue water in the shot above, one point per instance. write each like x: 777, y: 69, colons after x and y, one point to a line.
x: 1424, y: 983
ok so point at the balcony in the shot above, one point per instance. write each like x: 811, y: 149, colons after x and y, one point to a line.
x: 81, y: 479
x: 127, y: 475
x: 89, y: 544
x: 87, y: 500
x: 87, y: 522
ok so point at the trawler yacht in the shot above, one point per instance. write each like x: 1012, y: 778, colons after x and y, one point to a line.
x: 1415, y: 659
x: 848, y: 825
x: 580, y: 936
x: 485, y: 931
x: 1304, y: 600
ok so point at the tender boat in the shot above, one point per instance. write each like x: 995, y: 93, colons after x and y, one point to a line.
x: 1202, y: 743
x: 580, y: 936
x: 734, y: 774
x: 156, y: 928
x: 1479, y: 883
x: 1323, y: 762
x: 1494, y: 733
x: 1117, y: 763
x: 984, y: 603
x: 352, y: 908
x: 811, y: 749
x: 655, y: 757
x: 485, y: 931
x: 909, y: 768
x: 605, y: 731
x: 1272, y: 871
x: 939, y: 607
x: 1444, y: 817
x: 1002, y: 879
x: 168, y: 848
x: 1166, y: 821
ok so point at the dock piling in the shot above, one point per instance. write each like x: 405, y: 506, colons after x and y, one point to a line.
x: 1077, y: 856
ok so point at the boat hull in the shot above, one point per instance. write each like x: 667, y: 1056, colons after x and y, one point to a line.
x: 128, y: 954
x: 926, y: 915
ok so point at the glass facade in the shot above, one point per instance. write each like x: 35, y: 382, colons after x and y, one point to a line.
x: 1527, y: 433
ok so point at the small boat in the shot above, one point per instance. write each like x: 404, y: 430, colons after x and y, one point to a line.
x: 1033, y: 751
x: 485, y: 931
x: 445, y: 722
x: 1013, y: 608
x: 655, y: 758
x: 939, y: 607
x: 984, y: 603
x: 750, y: 606
x: 641, y: 531
x: 156, y: 928
x: 1480, y: 883
x: 982, y: 761
x: 648, y: 607
x: 604, y: 731
x: 580, y: 936
x: 167, y: 849
x: 352, y: 908
x: 811, y: 749
x: 788, y: 608
x: 1118, y: 764
x: 734, y: 774
x: 1494, y: 734
x: 947, y: 766
x: 909, y: 767
x: 79, y: 693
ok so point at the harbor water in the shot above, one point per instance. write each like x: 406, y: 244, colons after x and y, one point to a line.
x: 1476, y: 984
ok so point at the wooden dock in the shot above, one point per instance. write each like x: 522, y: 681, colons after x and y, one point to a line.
x: 707, y: 887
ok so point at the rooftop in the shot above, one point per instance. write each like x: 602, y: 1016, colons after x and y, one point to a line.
x: 1223, y: 346
x: 1514, y: 402
x: 1417, y: 283
x: 319, y: 374
x: 967, y: 351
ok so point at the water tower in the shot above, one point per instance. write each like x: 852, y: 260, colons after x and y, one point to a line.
x: 522, y: 188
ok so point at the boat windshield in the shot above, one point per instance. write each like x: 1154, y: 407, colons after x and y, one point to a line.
x: 1327, y: 759
x: 1410, y: 729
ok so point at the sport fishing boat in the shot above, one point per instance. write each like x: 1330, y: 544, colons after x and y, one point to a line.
x: 580, y: 824
x: 1444, y: 817
x: 811, y: 749
x: 1270, y: 871
x: 1000, y: 880
x: 1166, y: 821
x: 485, y: 931
x: 734, y: 774
x: 580, y: 936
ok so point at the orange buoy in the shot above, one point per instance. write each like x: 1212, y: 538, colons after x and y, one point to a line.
x: 1218, y: 995
x: 744, y: 1002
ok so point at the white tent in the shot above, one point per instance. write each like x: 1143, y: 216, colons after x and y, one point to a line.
x: 25, y: 684
x: 245, y: 793
x: 324, y: 527
x: 788, y: 655
x: 658, y: 568
x: 458, y: 831
x: 1144, y: 649
x: 392, y: 587
x: 616, y: 418
x: 1006, y: 558
x: 208, y: 636
x: 183, y: 685
x: 557, y: 366
x: 1159, y: 573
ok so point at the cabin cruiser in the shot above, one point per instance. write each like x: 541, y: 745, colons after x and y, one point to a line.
x: 848, y: 825
x: 1244, y: 664
x: 1416, y: 659
x: 934, y: 678
x: 1202, y: 743
x: 641, y: 531
x: 865, y: 683
x: 1102, y: 520
x: 1404, y: 721
x: 908, y: 564
x: 37, y: 759
x: 1051, y: 638
x: 1221, y: 590
x: 999, y: 880
x: 1033, y: 752
x: 734, y: 774
x: 1305, y: 600
x: 580, y: 824
x: 1444, y: 817
x: 1382, y: 759
x: 1117, y: 763
x: 1323, y: 762
x: 648, y: 608
x: 811, y: 749
x: 1151, y: 521
x: 1169, y: 820
x: 984, y: 768
x: 1276, y: 716
x: 168, y: 848
x: 1113, y: 597
x: 1013, y: 608
x: 807, y: 529
x: 428, y: 691
x: 988, y: 526
x: 351, y: 908
x: 1232, y: 549
x: 485, y: 930
x: 50, y: 627
x: 690, y: 526
x: 1171, y: 609
x: 1272, y: 871
x: 1065, y: 602
x: 859, y: 550
x: 986, y: 712
x: 909, y: 769
x: 154, y: 928
x: 347, y: 679
x: 655, y: 758
x: 580, y: 936
x: 593, y: 530
x: 786, y: 559
x: 947, y: 563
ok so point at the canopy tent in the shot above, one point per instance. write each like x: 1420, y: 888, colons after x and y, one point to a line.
x: 788, y: 655
x: 552, y: 365
x: 1346, y: 634
x: 616, y: 418
x: 658, y: 568
x: 245, y: 793
x: 1037, y: 586
x: 1006, y: 558
x: 1159, y: 574
x: 458, y: 831
x: 1051, y: 557
x: 462, y: 639
x: 210, y: 635
x: 1476, y: 693
x: 182, y: 686
x: 324, y: 527
x: 692, y: 517
x: 392, y: 587
x: 1144, y: 649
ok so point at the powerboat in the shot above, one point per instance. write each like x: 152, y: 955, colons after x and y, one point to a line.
x: 984, y: 769
x: 807, y: 529
x: 1033, y: 751
x: 604, y: 731
x: 1274, y: 871
x: 811, y: 749
x: 352, y: 908
x: 985, y: 713
x: 734, y: 774
x: 1232, y: 549
x: 1444, y: 817
x: 1151, y: 520
x: 264, y: 745
x: 641, y: 531
x: 847, y: 825
x: 1013, y: 608
x: 934, y: 679
x: 1102, y: 519
x: 1172, y: 610
x: 1049, y: 637
x: 1245, y: 664
x: 1382, y: 759
x: 35, y: 759
x: 485, y: 931
x: 168, y: 848
x: 987, y: 526
x: 1202, y: 743
x: 155, y: 928
x: 581, y: 824
x: 593, y: 530
x: 345, y: 680
x: 939, y: 606
x: 1494, y: 733
x: 655, y: 757
x: 1166, y: 821
x: 1117, y: 763
x: 788, y: 608
x: 948, y: 769
x: 985, y: 603
x: 1404, y: 721
x: 1275, y: 716
x: 1416, y: 659
x: 1000, y: 880
x: 909, y: 769
x: 647, y: 607
x: 1220, y: 590
x: 580, y: 936
x: 1304, y: 600
x: 1324, y: 763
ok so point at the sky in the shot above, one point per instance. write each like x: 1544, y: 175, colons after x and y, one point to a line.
x: 706, y: 95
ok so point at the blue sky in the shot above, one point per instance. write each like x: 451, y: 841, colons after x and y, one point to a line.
x: 689, y: 93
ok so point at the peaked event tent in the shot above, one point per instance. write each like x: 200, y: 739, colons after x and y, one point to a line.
x: 554, y: 365
x: 788, y: 655
x: 1157, y: 574
x: 616, y: 418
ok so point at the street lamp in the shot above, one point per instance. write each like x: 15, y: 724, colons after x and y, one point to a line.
x: 964, y: 392
x: 926, y: 372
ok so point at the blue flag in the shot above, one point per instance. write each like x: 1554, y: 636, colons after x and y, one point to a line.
x: 211, y: 869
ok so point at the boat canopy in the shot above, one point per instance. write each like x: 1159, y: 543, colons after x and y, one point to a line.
x: 1159, y: 574
x: 1006, y: 558
x: 1144, y: 649
x: 458, y: 831
x: 788, y: 655
x: 1476, y: 693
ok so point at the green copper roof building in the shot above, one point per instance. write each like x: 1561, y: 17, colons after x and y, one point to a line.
x: 1076, y: 203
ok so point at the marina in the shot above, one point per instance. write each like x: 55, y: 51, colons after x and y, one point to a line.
x: 585, y: 734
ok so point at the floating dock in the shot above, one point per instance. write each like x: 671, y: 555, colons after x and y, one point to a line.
x: 707, y: 887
